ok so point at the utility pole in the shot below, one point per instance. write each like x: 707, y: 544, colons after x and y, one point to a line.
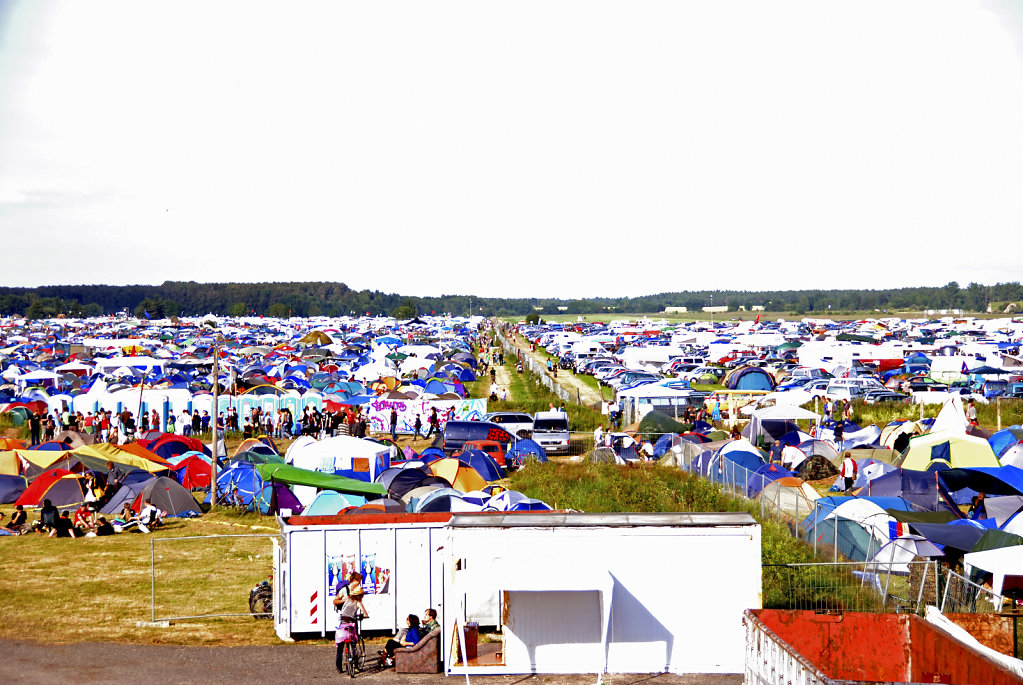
x: 213, y: 427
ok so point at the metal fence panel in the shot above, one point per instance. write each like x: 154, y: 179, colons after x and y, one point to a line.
x: 852, y: 586
x: 963, y: 596
x: 207, y: 576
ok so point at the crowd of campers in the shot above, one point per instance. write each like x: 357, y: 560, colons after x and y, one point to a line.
x: 119, y: 419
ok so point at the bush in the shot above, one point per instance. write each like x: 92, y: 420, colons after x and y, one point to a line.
x: 650, y: 488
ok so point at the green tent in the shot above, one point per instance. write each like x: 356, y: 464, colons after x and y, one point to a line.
x: 655, y: 424
x: 292, y: 475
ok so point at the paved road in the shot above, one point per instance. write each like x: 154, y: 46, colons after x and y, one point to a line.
x: 99, y: 663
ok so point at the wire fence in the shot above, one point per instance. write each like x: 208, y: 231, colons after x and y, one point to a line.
x: 853, y: 586
x: 963, y: 596
x: 207, y: 576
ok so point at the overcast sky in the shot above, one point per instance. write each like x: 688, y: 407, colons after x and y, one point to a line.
x: 521, y: 149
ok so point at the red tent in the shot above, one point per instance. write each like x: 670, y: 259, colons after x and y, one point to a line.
x: 60, y: 486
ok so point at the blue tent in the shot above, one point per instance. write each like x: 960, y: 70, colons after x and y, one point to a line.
x: 1001, y: 480
x: 242, y: 475
x: 11, y: 488
x: 1004, y: 439
x: 526, y: 449
x: 764, y: 475
x: 483, y: 463
x: 750, y: 378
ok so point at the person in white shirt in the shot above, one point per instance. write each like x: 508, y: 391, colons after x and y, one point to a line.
x: 598, y: 435
x: 848, y: 471
x: 791, y: 457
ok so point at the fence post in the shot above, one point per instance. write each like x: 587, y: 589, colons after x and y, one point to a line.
x: 152, y: 572
x: 836, y: 539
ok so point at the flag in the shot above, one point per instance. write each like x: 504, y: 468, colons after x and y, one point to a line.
x: 962, y: 370
x: 757, y: 320
x: 897, y: 529
x: 146, y: 314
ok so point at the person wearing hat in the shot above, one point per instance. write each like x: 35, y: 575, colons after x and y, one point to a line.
x: 349, y: 597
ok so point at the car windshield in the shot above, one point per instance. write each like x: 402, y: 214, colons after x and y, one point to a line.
x: 550, y: 425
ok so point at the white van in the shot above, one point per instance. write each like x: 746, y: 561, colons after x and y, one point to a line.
x: 550, y: 431
x: 851, y: 388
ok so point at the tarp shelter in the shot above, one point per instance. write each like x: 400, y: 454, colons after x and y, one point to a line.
x: 291, y: 475
x: 933, y: 451
x: 1002, y: 480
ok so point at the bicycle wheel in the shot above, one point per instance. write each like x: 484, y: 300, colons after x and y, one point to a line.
x: 360, y: 654
x: 261, y: 604
x: 350, y: 658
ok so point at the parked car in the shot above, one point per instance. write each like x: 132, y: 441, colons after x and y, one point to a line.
x: 492, y: 447
x: 516, y: 423
x: 457, y: 433
x: 878, y: 396
x: 550, y: 431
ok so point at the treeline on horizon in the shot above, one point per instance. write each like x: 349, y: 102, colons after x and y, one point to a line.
x: 336, y: 299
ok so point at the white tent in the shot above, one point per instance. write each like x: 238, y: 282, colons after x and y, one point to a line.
x: 333, y: 455
x: 143, y: 364
x: 952, y: 417
x: 1000, y: 563
x: 779, y: 412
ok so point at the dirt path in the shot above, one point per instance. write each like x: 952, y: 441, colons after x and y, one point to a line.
x: 565, y: 379
x: 99, y: 663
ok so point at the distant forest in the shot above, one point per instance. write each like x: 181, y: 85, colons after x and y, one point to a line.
x: 336, y: 299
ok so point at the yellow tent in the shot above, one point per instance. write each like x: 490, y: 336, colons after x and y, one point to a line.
x: 9, y: 463
x: 462, y: 478
x: 108, y: 452
x: 947, y: 448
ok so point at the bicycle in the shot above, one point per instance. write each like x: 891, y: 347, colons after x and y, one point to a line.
x: 261, y: 599
x: 351, y: 650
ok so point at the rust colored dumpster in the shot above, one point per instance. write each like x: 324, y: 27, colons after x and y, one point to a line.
x: 806, y: 648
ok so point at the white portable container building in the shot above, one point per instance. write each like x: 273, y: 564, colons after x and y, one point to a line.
x: 616, y: 593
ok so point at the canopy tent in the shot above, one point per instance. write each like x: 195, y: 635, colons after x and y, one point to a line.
x: 779, y: 412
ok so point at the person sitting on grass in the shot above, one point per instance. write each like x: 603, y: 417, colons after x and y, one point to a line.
x: 63, y: 528
x: 83, y: 519
x: 18, y: 520
x: 408, y: 637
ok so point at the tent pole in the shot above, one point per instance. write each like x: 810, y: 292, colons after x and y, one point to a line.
x: 213, y: 428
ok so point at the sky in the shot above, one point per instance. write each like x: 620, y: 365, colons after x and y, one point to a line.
x: 537, y: 148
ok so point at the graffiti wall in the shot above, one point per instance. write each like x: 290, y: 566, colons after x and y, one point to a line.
x: 380, y: 412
